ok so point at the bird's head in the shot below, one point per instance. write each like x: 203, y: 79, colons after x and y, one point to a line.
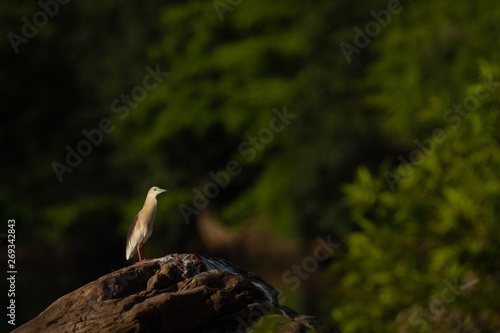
x: 155, y: 190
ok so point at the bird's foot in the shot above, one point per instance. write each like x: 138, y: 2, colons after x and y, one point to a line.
x: 142, y: 260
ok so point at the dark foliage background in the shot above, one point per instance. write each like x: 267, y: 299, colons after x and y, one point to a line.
x: 421, y: 89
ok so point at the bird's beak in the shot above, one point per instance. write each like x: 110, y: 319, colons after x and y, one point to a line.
x: 162, y: 190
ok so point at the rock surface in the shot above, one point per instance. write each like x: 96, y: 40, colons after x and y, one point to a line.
x: 176, y: 293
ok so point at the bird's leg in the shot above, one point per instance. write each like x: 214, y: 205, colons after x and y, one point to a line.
x: 139, y: 251
x: 140, y: 247
x: 143, y: 252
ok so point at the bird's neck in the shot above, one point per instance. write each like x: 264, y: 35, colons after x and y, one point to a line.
x: 150, y: 212
x: 151, y: 201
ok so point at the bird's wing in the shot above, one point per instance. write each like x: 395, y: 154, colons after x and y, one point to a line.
x: 133, y: 238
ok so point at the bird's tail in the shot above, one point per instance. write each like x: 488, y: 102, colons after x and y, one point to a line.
x: 129, y: 253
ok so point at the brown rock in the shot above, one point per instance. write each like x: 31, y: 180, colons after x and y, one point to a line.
x: 175, y: 293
